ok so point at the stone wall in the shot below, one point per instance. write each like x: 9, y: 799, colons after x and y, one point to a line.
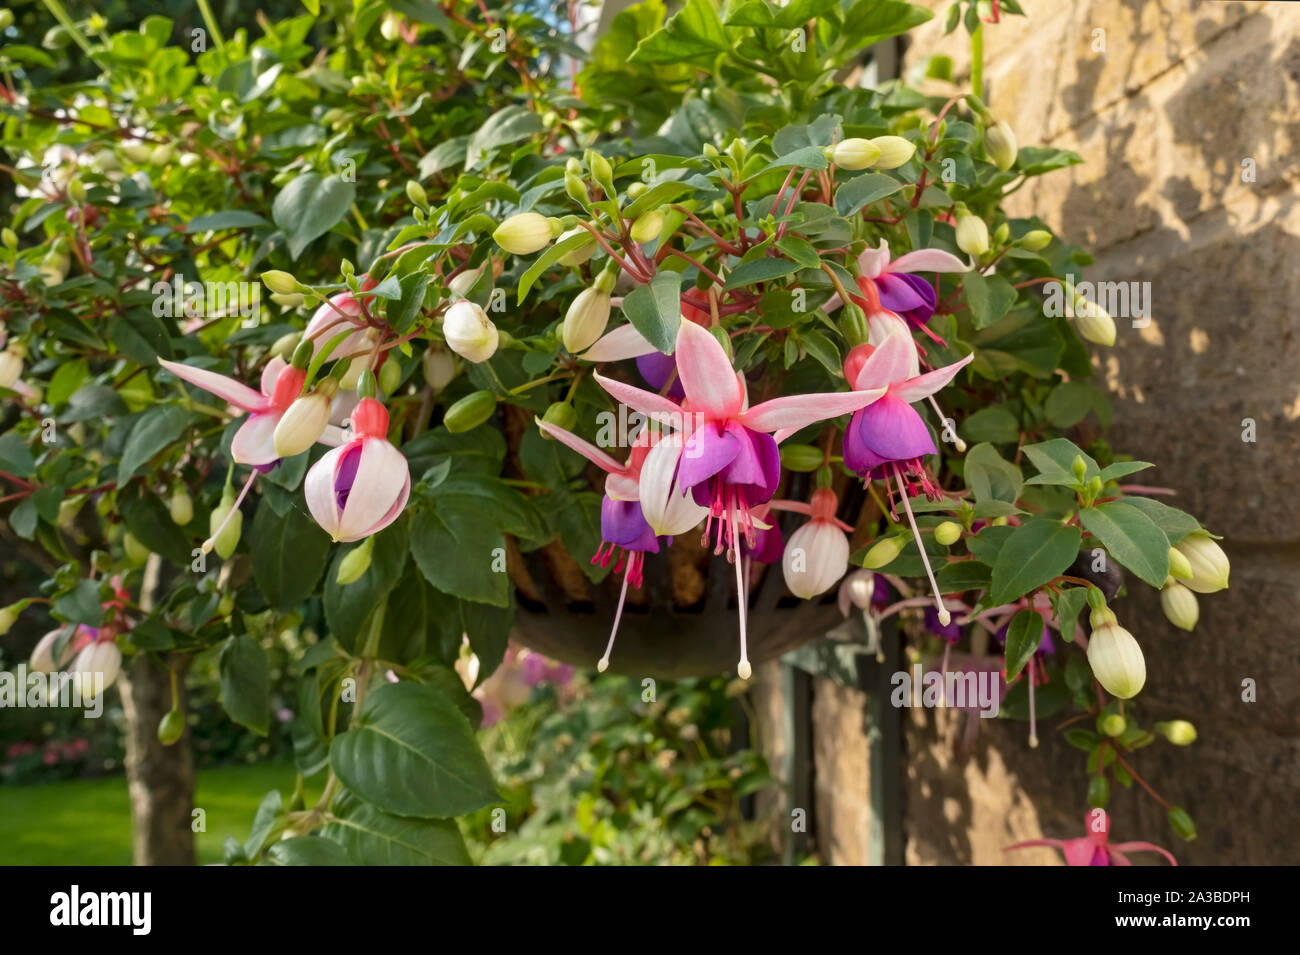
x: 1164, y: 105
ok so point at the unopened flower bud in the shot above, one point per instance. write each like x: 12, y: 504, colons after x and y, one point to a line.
x: 647, y: 226
x: 855, y: 153
x: 161, y: 155
x: 600, y: 170
x: 1179, y: 566
x: 526, y: 233
x: 226, y: 532
x: 181, y: 507
x: 390, y: 28
x: 582, y: 252
x: 801, y: 457
x: 1035, y: 240
x: 356, y: 563
x: 586, y: 319
x: 883, y: 553
x: 171, y: 727
x: 1178, y: 732
x: 304, y: 422
x: 8, y: 617
x: 9, y: 237
x: 469, y: 332
x: 415, y: 192
x: 1093, y: 322
x: 1181, y: 823
x: 1112, y: 724
x: 11, y: 365
x: 470, y: 412
x: 562, y: 415
x: 439, y: 367
x: 288, y: 301
x: 1000, y: 145
x: 972, y: 235
x: 894, y: 151
x: 390, y: 376
x: 280, y: 282
x: 462, y: 282
x: 1208, y: 561
x: 947, y: 533
x: 1179, y: 605
x: 136, y: 552
x: 576, y: 189
x: 6, y: 18
x: 1116, y: 659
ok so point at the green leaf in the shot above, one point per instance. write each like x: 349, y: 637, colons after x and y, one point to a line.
x: 347, y: 606
x: 1070, y: 401
x: 505, y: 126
x: 455, y: 550
x: 371, y: 837
x: 869, y: 21
x: 1175, y: 523
x: 306, y: 850
x: 1055, y: 462
x: 81, y: 604
x: 1023, y: 637
x: 246, y: 683
x: 154, y: 430
x: 147, y: 518
x: 800, y: 250
x: 268, y: 811
x: 289, y: 554
x: 864, y: 190
x: 1036, y: 551
x: 961, y: 575
x: 411, y: 752
x: 1131, y: 538
x: 1119, y: 469
x: 693, y: 34
x: 989, y: 297
x: 760, y: 270
x: 994, y: 423
x: 762, y: 13
x: 1068, y: 604
x: 548, y: 258
x: 310, y: 206
x: 228, y: 219
x: 655, y: 310
x: 402, y: 314
x: 15, y: 457
x: 989, y: 477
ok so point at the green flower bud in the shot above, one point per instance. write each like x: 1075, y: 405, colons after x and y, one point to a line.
x: 576, y: 189
x: 1116, y: 659
x: 171, y: 727
x: 1179, y: 566
x: 1182, y: 823
x: 6, y: 18
x: 948, y: 533
x: 225, y: 542
x: 1092, y: 322
x: 1112, y: 725
x: 181, y: 507
x: 1035, y: 240
x: 415, y: 192
x: 8, y: 617
x: 562, y: 415
x: 600, y: 170
x: 894, y: 151
x: 288, y: 301
x: 647, y: 226
x: 470, y: 412
x: 390, y: 376
x: 585, y: 320
x: 801, y: 457
x: 161, y: 155
x: 855, y: 153
x: 972, y: 234
x: 637, y: 189
x: 356, y: 562
x: 526, y: 233
x: 1209, y: 563
x: 1178, y: 732
x: 1098, y: 791
x: 280, y: 282
x: 883, y: 552
x: 1000, y: 145
x: 1179, y: 605
x: 9, y: 237
x: 137, y: 153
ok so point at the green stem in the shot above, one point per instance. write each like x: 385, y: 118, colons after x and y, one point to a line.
x: 977, y: 60
x: 57, y: 10
x: 211, y: 22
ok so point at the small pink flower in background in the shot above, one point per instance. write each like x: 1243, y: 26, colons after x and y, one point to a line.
x: 1095, y: 847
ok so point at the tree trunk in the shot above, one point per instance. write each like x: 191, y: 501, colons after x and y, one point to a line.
x: 161, y: 778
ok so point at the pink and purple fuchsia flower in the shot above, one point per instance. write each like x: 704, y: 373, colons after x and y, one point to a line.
x: 729, y: 462
x: 1095, y: 847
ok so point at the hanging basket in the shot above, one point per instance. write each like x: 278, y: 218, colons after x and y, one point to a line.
x: 683, y: 621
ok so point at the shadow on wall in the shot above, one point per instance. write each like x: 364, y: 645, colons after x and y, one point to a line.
x: 1170, y: 208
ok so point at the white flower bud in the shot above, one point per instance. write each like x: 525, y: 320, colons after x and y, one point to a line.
x: 11, y: 366
x: 815, y: 558
x: 464, y: 281
x: 855, y: 154
x: 525, y: 233
x: 894, y: 151
x: 102, y: 657
x: 43, y: 661
x: 1178, y: 732
x: 1093, y: 322
x: 1179, y: 605
x: 469, y: 332
x: 1000, y: 144
x: 1208, y: 562
x: 439, y: 367
x: 583, y: 252
x: 1116, y: 660
x: 586, y: 319
x: 304, y: 422
x: 972, y: 235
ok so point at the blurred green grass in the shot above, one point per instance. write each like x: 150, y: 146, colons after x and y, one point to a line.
x: 88, y: 821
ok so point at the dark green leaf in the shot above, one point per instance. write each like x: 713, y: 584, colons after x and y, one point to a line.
x: 246, y: 683
x: 1037, y: 551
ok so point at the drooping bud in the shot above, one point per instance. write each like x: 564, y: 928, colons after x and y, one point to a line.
x: 100, y: 658
x: 1181, y: 823
x: 562, y: 415
x: 390, y: 376
x: 462, y: 282
x: 162, y: 154
x: 356, y: 563
x: 1000, y: 145
x: 894, y: 151
x: 883, y: 552
x: 8, y: 617
x: 415, y: 192
x: 439, y: 367
x: 1209, y: 563
x: 948, y: 533
x: 1179, y: 605
x: 861, y: 586
x: 181, y: 507
x: 9, y: 237
x: 1035, y: 240
x: 1093, y: 322
x: 1112, y: 724
x: 304, y: 421
x: 855, y: 153
x: 817, y: 554
x: 171, y: 727
x: 11, y: 364
x: 1115, y: 657
x: 586, y: 319
x: 43, y: 661
x: 647, y: 226
x: 972, y: 234
x: 526, y: 233
x: 801, y: 457
x: 228, y: 539
x: 600, y: 170
x: 136, y: 552
x: 470, y: 412
x: 1178, y: 732
x: 469, y: 332
x: 1180, y: 567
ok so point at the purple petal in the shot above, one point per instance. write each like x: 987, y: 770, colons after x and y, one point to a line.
x: 656, y: 369
x: 892, y: 429
x: 347, y: 474
x: 623, y: 524
x: 707, y: 452
x: 951, y: 633
x: 768, y: 546
x: 757, y: 466
x: 909, y: 295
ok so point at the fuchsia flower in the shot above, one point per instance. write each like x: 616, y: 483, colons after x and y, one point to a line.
x: 254, y: 442
x: 360, y: 487
x: 895, y: 285
x: 729, y: 462
x: 626, y: 529
x: 342, y: 313
x: 817, y: 554
x: 1095, y: 847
